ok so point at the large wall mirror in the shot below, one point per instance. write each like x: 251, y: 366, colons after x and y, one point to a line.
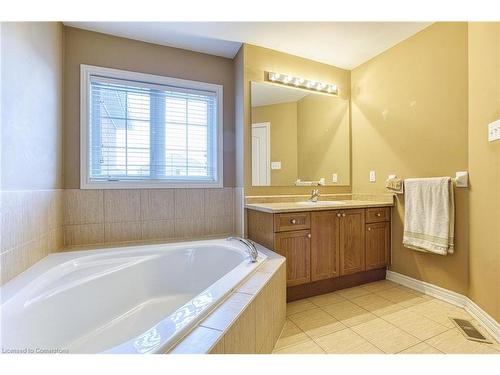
x: 298, y: 135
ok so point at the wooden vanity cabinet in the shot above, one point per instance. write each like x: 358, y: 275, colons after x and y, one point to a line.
x: 325, y: 244
x: 377, y: 238
x: 295, y: 246
x: 352, y: 241
x: 326, y: 250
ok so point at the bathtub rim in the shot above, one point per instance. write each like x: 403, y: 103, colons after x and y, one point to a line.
x: 11, y: 287
x: 210, y: 336
x: 225, y: 293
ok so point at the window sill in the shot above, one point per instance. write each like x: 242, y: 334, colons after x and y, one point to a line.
x: 150, y: 185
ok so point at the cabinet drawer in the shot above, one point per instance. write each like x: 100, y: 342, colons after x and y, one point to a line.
x: 375, y: 215
x: 292, y: 221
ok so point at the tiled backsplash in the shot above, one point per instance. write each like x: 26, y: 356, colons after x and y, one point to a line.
x: 31, y: 228
x: 381, y: 197
x: 106, y: 216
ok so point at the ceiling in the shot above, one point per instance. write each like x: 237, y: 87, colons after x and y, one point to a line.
x: 342, y: 44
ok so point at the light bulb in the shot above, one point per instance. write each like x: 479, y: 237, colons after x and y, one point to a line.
x: 276, y: 76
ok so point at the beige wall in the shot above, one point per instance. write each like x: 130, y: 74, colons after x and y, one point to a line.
x: 409, y: 117
x: 257, y: 61
x: 484, y: 166
x: 31, y: 101
x: 323, y: 129
x: 86, y: 47
x: 31, y: 126
x: 283, y: 119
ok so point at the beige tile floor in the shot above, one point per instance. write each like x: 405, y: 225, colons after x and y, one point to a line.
x: 380, y: 317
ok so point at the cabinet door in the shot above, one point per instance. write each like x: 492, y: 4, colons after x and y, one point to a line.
x: 352, y: 241
x: 324, y: 245
x: 378, y: 244
x: 295, y: 246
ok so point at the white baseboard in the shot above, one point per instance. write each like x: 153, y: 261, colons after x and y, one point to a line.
x: 426, y: 288
x: 488, y: 322
x: 457, y: 299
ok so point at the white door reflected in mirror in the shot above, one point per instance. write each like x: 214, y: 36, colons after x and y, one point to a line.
x: 261, y: 154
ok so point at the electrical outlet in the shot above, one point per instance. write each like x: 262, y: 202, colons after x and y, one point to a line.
x: 276, y: 165
x: 334, y: 178
x: 494, y: 131
x: 373, y: 177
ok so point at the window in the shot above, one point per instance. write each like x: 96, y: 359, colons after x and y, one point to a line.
x: 140, y: 130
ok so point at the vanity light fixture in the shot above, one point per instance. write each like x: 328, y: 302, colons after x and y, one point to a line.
x: 286, y: 79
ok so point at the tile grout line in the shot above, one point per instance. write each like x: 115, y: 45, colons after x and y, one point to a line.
x: 364, y: 338
x: 301, y: 331
x: 361, y: 307
x: 382, y: 317
x: 346, y: 327
x: 422, y: 342
x: 402, y: 329
x: 422, y: 316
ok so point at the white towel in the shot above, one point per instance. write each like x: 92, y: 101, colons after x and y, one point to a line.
x: 429, y: 215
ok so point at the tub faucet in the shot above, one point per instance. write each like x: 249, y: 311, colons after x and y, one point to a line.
x: 314, y: 195
x: 252, y: 250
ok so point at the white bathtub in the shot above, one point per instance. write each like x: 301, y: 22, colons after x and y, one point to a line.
x: 140, y: 299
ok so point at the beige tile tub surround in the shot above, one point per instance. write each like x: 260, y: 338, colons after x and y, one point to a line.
x: 31, y: 147
x: 249, y: 321
x: 36, y: 223
x: 376, y: 318
x: 31, y: 228
x: 112, y: 216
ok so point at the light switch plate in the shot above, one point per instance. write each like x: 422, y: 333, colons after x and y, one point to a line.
x: 334, y: 178
x: 494, y: 131
x: 373, y: 177
x: 276, y: 165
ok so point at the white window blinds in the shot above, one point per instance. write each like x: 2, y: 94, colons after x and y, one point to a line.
x: 147, y: 131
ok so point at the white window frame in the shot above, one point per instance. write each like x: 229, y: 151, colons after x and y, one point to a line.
x: 86, y: 71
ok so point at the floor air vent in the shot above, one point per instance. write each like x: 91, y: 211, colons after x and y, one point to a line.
x: 469, y: 331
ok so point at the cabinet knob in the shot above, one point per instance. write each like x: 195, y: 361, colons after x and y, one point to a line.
x: 369, y: 228
x: 293, y: 221
x: 343, y: 215
x: 378, y: 214
x: 308, y: 235
x: 339, y: 215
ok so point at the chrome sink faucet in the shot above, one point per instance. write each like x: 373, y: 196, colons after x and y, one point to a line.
x: 314, y: 195
x: 252, y: 250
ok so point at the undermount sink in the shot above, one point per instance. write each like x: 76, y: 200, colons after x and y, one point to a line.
x: 321, y: 203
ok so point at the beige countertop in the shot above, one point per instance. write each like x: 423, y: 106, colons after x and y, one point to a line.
x: 317, y: 206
